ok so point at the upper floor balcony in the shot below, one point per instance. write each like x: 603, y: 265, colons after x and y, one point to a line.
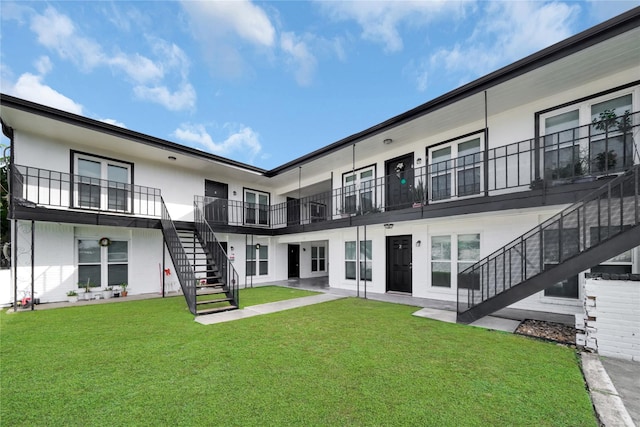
x: 577, y: 155
x: 540, y: 165
x: 33, y: 187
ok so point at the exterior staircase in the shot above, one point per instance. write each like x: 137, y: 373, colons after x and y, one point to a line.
x: 207, y: 278
x: 602, y: 225
x: 211, y: 295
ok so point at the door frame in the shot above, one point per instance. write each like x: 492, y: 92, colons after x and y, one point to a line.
x: 409, y: 173
x: 296, y: 269
x: 390, y: 259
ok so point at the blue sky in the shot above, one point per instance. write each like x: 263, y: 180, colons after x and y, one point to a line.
x: 266, y: 82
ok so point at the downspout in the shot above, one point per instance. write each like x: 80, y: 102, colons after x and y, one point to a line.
x: 358, y: 261
x: 33, y: 267
x: 486, y: 146
x: 9, y: 133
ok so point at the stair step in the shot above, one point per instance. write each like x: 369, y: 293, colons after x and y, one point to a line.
x: 210, y: 291
x: 216, y: 309
x: 217, y: 285
x: 213, y: 301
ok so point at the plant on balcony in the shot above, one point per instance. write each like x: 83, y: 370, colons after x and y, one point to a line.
x: 419, y: 194
x: 606, y: 160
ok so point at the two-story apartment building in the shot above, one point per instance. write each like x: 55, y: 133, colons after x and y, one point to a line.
x: 481, y: 181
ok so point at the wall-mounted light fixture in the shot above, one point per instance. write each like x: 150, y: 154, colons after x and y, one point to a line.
x: 235, y: 193
x: 172, y: 158
x: 388, y: 226
x: 419, y: 160
x: 418, y: 243
x: 304, y: 249
x: 258, y: 246
x: 387, y: 141
x: 231, y: 248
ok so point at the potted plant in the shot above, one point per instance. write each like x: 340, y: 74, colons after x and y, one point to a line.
x: 87, y: 290
x: 107, y: 292
x: 419, y: 195
x: 72, y: 296
x: 124, y: 291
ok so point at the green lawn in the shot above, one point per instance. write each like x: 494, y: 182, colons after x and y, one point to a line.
x: 346, y: 362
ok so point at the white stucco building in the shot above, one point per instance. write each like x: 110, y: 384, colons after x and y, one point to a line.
x: 401, y: 207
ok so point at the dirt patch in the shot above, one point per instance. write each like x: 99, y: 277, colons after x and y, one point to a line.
x: 556, y: 332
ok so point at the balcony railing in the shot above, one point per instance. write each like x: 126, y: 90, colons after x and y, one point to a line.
x: 584, y: 152
x: 62, y: 190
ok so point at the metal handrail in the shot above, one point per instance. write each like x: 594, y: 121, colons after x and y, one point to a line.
x: 214, y: 250
x: 181, y: 262
x: 60, y: 189
x: 600, y: 216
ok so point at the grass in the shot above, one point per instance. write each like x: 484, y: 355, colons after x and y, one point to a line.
x: 346, y: 362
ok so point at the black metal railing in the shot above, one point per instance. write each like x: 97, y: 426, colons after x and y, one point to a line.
x: 601, y: 216
x: 59, y: 189
x: 215, y: 253
x: 584, y: 152
x: 603, y: 147
x: 181, y: 262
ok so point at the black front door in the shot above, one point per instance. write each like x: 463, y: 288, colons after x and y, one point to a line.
x: 216, y: 194
x: 293, y: 211
x: 294, y: 261
x: 399, y: 264
x: 399, y: 182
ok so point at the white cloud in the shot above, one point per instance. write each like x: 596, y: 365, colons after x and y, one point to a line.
x: 241, y: 140
x: 242, y: 18
x: 181, y: 99
x: 43, y: 65
x: 380, y: 20
x: 419, y: 73
x: 30, y: 87
x: 299, y: 57
x: 113, y: 122
x: 225, y: 29
x: 509, y: 31
x: 58, y: 33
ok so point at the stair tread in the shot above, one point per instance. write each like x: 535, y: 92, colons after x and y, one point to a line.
x: 213, y: 301
x: 216, y: 309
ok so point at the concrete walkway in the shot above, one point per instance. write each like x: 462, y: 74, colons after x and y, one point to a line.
x: 272, y: 307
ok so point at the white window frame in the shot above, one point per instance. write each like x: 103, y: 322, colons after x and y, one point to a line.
x: 317, y: 258
x: 453, y: 166
x: 104, y: 262
x: 357, y: 189
x: 585, y: 118
x: 254, y: 210
x: 103, y: 184
x: 454, y: 260
x: 364, y: 264
x: 257, y: 260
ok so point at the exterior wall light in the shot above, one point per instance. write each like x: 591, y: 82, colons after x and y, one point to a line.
x: 172, y: 158
x: 418, y: 243
x: 388, y: 226
x: 258, y: 246
x: 387, y: 141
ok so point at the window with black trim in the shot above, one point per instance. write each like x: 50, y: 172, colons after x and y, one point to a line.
x: 101, y: 183
x: 256, y: 207
x: 102, y: 265
x: 455, y: 169
x: 589, y: 137
x: 358, y: 190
